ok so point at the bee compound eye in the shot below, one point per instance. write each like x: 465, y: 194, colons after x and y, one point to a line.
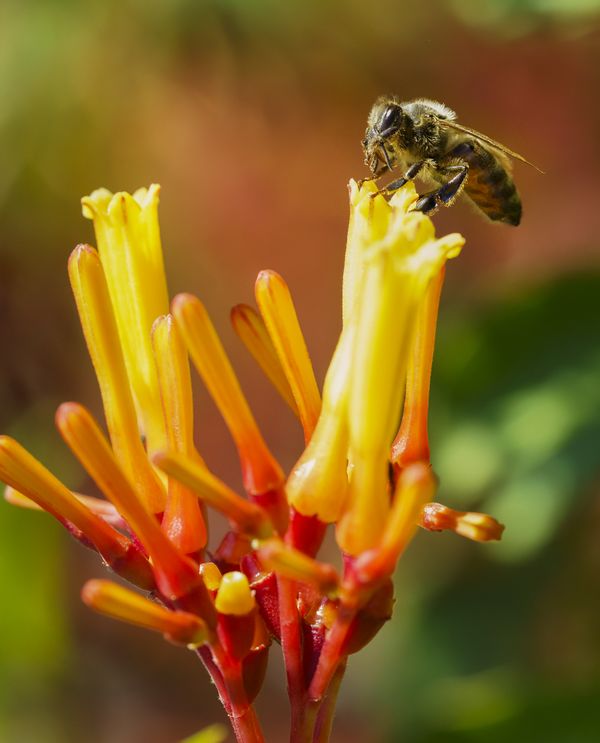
x: 390, y: 118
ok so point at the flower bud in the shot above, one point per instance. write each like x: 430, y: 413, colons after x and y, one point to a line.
x: 476, y: 526
x: 236, y: 609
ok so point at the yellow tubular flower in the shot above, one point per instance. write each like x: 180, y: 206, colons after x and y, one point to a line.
x: 120, y: 603
x: 318, y: 482
x: 100, y: 330
x: 277, y: 309
x: 128, y: 239
x: 183, y: 520
x: 260, y: 471
x: 396, y: 269
x: 369, y: 222
x: 252, y: 331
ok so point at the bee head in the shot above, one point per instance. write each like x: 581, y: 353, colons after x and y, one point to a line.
x: 385, y: 120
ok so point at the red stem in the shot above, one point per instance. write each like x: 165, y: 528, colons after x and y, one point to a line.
x: 291, y: 644
x: 331, y: 654
x: 227, y: 676
x: 247, y: 727
x: 242, y: 714
x: 217, y: 677
x: 327, y: 711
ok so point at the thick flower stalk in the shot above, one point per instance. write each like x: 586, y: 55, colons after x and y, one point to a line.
x: 364, y: 471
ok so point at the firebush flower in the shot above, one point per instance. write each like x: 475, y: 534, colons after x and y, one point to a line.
x: 360, y: 472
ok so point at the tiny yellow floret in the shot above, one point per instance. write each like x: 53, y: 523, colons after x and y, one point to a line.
x: 234, y: 596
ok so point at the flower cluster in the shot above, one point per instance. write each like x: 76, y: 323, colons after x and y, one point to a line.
x: 359, y: 472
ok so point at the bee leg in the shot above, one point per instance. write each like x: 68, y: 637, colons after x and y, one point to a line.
x: 410, y: 174
x: 444, y: 195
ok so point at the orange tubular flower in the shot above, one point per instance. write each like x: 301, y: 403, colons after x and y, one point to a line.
x: 247, y: 516
x: 120, y: 603
x: 411, y: 443
x: 264, y: 580
x: 278, y: 311
x: 261, y: 471
x: 262, y: 475
x: 252, y: 331
x: 97, y: 506
x: 415, y: 487
x: 176, y: 576
x: 24, y: 473
x: 291, y: 563
x: 183, y: 520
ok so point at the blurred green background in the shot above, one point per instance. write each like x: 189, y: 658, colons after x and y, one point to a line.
x: 250, y: 114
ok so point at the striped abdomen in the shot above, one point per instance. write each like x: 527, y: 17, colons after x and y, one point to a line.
x: 490, y: 185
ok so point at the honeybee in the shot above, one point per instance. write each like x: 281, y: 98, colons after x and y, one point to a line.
x: 424, y: 138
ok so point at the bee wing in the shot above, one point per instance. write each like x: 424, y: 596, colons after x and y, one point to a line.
x: 489, y: 141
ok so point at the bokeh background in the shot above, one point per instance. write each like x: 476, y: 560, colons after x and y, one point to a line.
x: 250, y: 114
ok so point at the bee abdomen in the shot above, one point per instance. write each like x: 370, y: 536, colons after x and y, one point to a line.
x: 491, y: 187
